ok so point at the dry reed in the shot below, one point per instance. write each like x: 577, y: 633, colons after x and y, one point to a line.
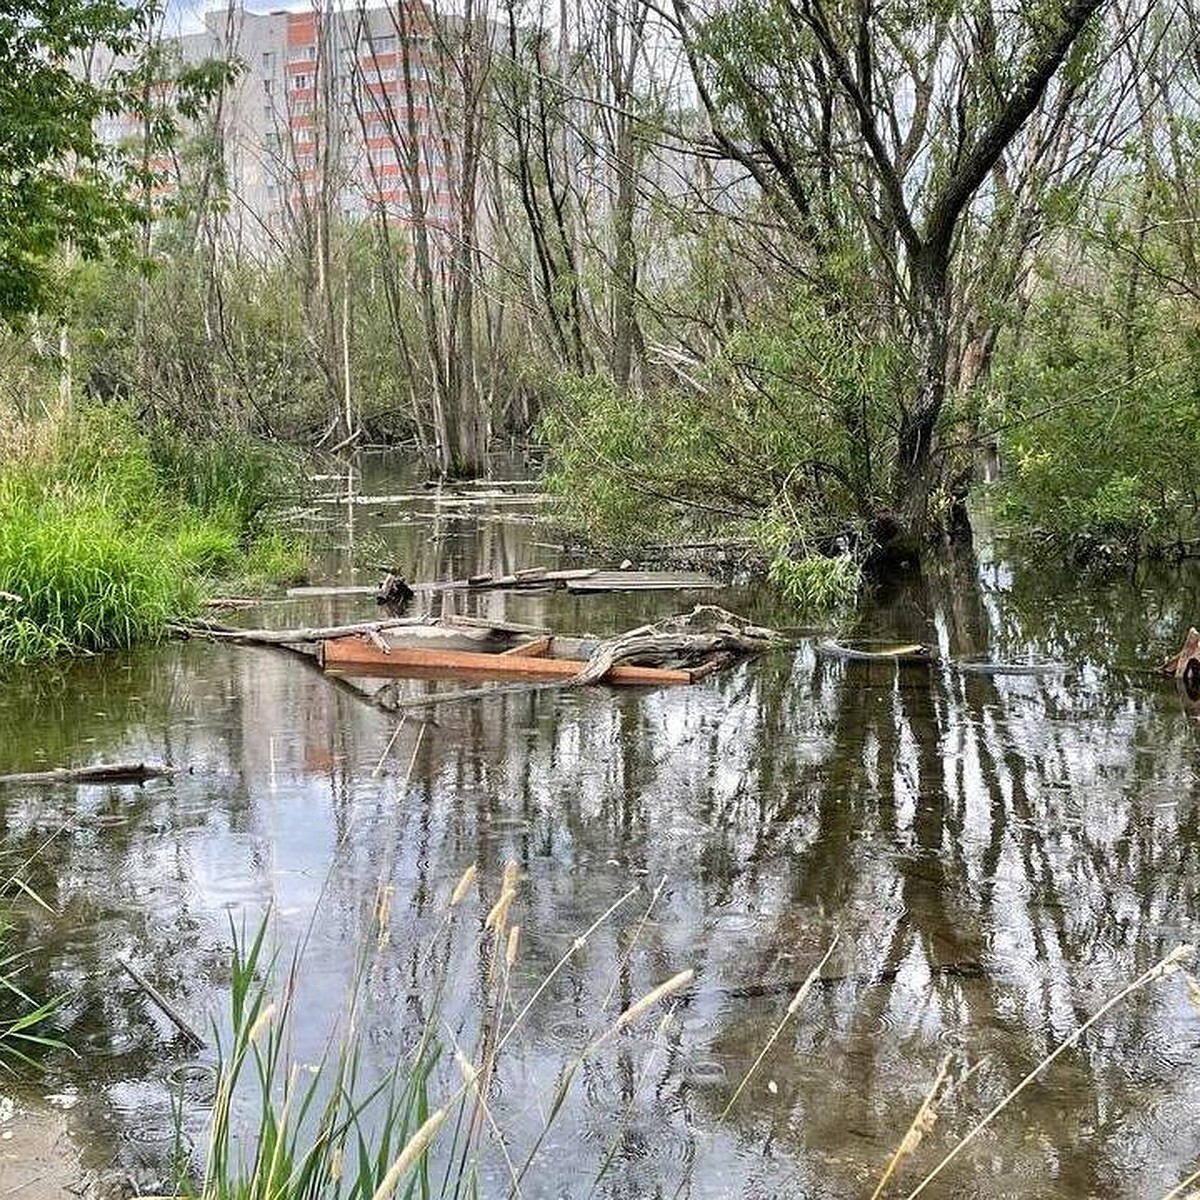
x: 1165, y: 966
x: 793, y: 1007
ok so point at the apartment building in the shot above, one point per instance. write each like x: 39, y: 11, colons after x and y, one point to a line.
x: 325, y: 108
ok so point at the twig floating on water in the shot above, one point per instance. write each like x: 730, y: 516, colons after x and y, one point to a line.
x: 99, y: 773
x: 162, y: 1004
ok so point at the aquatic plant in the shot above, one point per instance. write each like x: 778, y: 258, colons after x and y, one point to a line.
x: 22, y: 1018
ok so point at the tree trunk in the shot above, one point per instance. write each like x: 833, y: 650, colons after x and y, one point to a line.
x: 916, y: 468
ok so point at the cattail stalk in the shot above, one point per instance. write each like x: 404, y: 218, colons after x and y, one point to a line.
x: 464, y: 882
x: 415, y: 1147
x: 921, y: 1124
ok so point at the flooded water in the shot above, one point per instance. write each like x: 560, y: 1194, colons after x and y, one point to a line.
x: 997, y: 855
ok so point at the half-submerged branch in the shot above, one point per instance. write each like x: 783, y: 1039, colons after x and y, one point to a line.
x: 98, y: 773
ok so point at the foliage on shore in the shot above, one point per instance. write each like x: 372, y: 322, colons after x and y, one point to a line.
x: 107, y: 533
x: 1102, y: 429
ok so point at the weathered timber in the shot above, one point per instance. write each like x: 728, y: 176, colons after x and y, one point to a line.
x: 535, y: 648
x: 311, y: 636
x: 575, y: 579
x: 98, y: 773
x: 355, y: 655
x: 690, y: 641
x: 643, y: 581
x: 304, y: 593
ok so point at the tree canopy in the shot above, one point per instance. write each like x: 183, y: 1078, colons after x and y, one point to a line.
x: 59, y: 182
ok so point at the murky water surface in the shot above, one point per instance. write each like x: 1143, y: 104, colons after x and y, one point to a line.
x: 997, y: 854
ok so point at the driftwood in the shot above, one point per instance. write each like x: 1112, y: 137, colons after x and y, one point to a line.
x: 697, y: 639
x: 914, y: 654
x: 164, y: 1005
x: 1002, y: 668
x: 1185, y: 667
x: 99, y: 773
x: 538, y: 579
x: 307, y: 636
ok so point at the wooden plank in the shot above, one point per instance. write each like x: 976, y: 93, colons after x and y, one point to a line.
x: 357, y: 656
x: 301, y: 593
x: 642, y: 581
x: 538, y: 648
x: 573, y: 573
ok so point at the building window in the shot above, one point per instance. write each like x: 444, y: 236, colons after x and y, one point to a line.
x: 383, y: 45
x: 299, y: 82
x: 267, y: 85
x: 302, y: 53
x: 268, y: 62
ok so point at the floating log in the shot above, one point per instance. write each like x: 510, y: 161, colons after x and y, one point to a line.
x: 643, y: 581
x: 304, y: 593
x: 310, y: 636
x: 1002, y: 668
x: 908, y: 655
x: 575, y: 579
x: 98, y: 773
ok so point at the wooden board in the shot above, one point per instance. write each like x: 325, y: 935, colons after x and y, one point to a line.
x: 357, y: 656
x: 642, y: 581
x: 538, y: 648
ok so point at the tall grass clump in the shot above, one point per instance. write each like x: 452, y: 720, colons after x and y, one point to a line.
x: 105, y: 537
x: 427, y: 1127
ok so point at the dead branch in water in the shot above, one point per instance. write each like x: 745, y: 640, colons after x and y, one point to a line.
x: 704, y: 636
x: 164, y: 1005
x: 99, y: 773
x: 311, y: 635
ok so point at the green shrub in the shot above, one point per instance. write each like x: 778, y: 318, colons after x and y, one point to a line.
x: 794, y: 414
x: 816, y: 584
x: 104, y: 540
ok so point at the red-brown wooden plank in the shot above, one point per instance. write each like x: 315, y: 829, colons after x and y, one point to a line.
x: 353, y: 655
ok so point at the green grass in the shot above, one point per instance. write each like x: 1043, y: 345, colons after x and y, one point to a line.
x: 105, y: 536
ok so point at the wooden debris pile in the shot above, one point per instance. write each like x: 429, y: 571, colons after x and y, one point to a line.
x: 701, y: 642
x: 583, y: 580
x: 680, y: 649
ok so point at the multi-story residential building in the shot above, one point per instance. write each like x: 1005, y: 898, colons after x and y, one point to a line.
x: 328, y: 105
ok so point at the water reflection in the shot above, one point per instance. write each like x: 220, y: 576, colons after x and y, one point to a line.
x: 998, y: 853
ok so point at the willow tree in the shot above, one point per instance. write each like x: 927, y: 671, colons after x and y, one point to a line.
x: 881, y: 132
x: 59, y: 182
